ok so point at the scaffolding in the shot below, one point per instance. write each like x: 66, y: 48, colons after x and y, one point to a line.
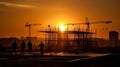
x: 67, y: 41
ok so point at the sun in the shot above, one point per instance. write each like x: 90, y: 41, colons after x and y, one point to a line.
x: 62, y: 27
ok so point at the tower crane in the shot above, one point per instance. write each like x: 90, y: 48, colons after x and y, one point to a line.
x: 29, y: 27
x: 87, y: 23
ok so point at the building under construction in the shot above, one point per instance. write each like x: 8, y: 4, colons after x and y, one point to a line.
x: 70, y: 40
x: 67, y: 40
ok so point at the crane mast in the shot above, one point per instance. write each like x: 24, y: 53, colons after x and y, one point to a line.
x: 29, y: 28
x: 88, y: 23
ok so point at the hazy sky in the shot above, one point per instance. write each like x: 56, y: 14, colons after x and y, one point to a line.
x: 15, y: 13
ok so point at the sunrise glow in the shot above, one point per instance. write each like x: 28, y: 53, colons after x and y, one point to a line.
x: 62, y: 27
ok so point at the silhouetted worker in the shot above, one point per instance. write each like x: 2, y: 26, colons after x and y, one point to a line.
x: 23, y: 47
x: 29, y: 47
x: 14, y: 47
x: 41, y: 49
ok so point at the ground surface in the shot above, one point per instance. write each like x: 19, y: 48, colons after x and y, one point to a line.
x: 63, y: 60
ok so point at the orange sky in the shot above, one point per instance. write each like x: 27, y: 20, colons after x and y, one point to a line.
x: 14, y: 14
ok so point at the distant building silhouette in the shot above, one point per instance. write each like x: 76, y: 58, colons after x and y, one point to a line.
x: 113, y: 38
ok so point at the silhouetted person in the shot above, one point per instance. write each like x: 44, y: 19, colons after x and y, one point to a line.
x: 23, y: 47
x: 41, y: 49
x: 29, y: 47
x: 14, y: 47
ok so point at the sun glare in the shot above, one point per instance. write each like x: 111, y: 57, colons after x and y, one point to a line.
x: 62, y: 28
